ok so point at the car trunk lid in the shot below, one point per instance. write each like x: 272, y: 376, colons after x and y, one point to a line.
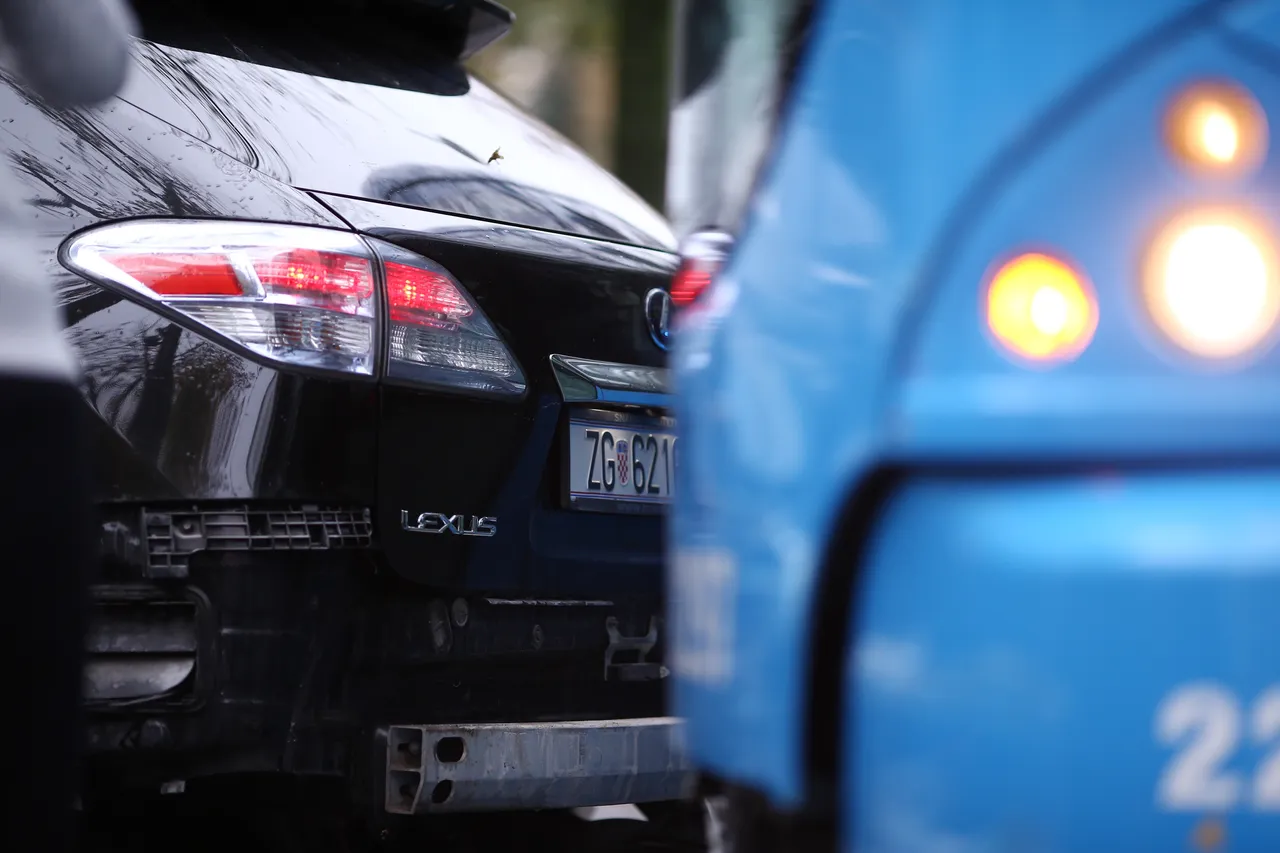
x: 483, y: 463
x: 373, y: 115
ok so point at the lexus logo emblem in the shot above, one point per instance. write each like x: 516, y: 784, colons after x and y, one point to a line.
x: 657, y: 315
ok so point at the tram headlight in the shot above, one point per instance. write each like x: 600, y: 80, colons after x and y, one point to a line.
x: 1216, y: 128
x: 1040, y: 309
x: 1211, y: 283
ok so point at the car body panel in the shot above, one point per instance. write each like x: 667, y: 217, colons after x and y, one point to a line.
x: 251, y: 508
x: 183, y: 418
x: 427, y: 146
x: 545, y: 293
x: 1036, y: 662
x: 178, y: 416
x: 1132, y: 393
x: 797, y: 344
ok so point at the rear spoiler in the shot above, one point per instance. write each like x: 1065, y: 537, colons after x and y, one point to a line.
x: 463, y: 27
x: 489, y: 22
x: 453, y: 29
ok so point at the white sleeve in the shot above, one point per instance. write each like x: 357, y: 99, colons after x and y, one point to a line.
x: 31, y: 339
x: 70, y: 52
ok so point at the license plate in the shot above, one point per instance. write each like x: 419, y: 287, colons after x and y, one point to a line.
x: 620, y: 466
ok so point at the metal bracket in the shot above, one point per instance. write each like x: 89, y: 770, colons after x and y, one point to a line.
x: 173, y: 535
x: 640, y: 669
x: 490, y: 766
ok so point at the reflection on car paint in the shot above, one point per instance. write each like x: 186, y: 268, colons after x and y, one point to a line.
x: 420, y: 148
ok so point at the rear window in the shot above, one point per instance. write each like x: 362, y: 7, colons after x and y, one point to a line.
x: 735, y: 60
x: 402, y: 44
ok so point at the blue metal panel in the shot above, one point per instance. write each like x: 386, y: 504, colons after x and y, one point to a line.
x: 1034, y: 661
x: 1257, y: 22
x: 1097, y: 193
x: 783, y: 375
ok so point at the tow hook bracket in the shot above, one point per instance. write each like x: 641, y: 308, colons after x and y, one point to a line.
x: 638, y: 669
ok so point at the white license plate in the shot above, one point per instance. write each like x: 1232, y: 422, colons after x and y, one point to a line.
x: 620, y: 464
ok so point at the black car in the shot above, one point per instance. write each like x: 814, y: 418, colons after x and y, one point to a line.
x: 375, y: 361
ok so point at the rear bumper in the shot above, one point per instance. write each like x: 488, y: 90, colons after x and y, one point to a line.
x: 1088, y: 662
x: 282, y: 659
x: 502, y: 766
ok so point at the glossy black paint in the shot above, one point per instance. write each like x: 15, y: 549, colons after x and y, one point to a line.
x: 557, y: 254
x: 178, y: 417
x: 184, y: 418
x: 423, y: 136
x: 546, y: 293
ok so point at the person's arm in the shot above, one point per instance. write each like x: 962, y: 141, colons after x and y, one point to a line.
x: 70, y: 52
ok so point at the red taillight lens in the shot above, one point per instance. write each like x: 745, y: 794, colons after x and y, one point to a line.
x: 438, y: 335
x: 702, y: 254
x: 418, y: 295
x: 181, y: 275
x: 303, y: 296
x: 690, y: 281
x: 330, y: 273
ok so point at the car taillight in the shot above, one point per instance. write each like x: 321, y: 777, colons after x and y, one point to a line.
x: 305, y: 296
x: 419, y: 295
x: 701, y: 256
x: 691, y: 279
x: 439, y: 337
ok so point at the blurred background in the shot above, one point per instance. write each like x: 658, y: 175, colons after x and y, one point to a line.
x: 597, y: 71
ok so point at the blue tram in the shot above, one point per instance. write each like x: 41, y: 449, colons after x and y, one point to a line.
x: 976, y: 543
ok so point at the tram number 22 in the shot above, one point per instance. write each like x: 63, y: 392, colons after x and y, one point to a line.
x: 1206, y: 723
